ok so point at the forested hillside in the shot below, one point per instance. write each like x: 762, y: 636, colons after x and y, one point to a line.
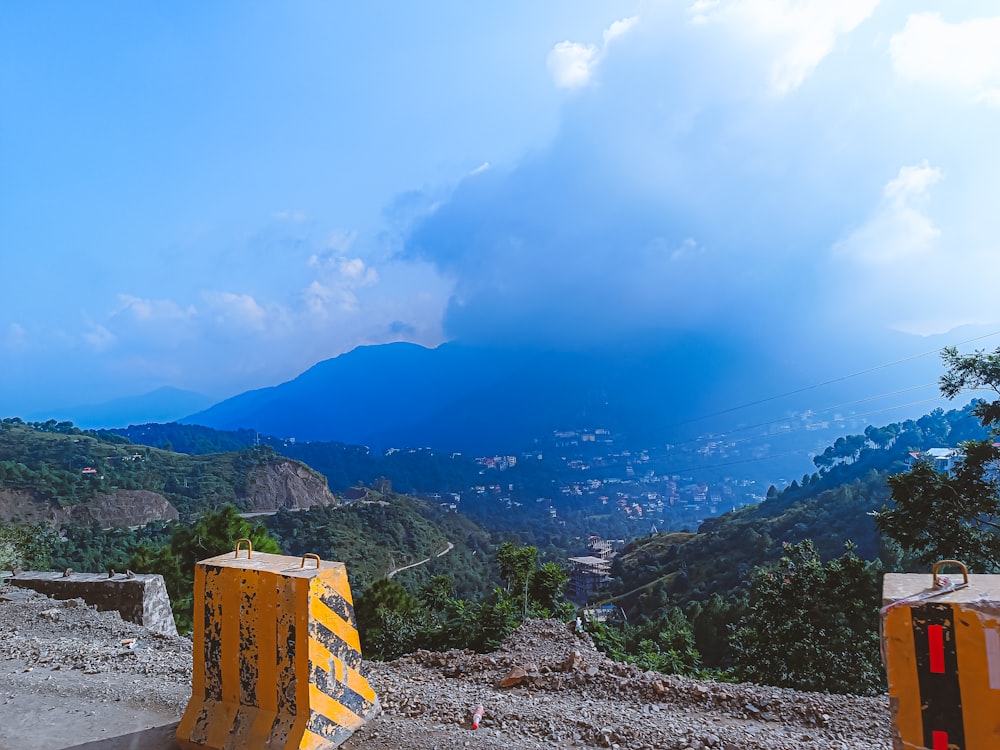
x: 411, y: 470
x: 58, y: 467
x: 694, y: 600
x: 708, y: 575
x: 386, y: 532
x: 61, y: 465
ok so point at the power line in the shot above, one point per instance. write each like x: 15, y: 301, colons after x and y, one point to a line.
x: 853, y: 416
x: 844, y: 405
x: 787, y: 432
x: 842, y: 378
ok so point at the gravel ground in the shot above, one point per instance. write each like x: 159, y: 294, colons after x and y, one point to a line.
x: 72, y: 678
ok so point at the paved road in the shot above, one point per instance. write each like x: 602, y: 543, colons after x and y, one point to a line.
x: 445, y: 551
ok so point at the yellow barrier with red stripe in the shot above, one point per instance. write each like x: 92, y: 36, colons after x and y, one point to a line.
x: 941, y: 644
x: 276, y: 655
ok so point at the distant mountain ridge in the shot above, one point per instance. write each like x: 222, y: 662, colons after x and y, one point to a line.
x: 460, y: 397
x: 161, y: 405
x: 467, y: 398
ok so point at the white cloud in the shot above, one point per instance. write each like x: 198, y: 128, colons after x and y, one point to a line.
x: 801, y: 32
x: 240, y: 310
x: 99, y: 337
x: 339, y: 269
x: 573, y: 65
x: 902, y: 270
x: 320, y: 300
x: 355, y: 271
x: 153, y: 309
x: 963, y: 56
x: 334, y: 292
x: 897, y: 231
x: 618, y: 28
x: 341, y: 241
x: 700, y: 10
x: 911, y: 183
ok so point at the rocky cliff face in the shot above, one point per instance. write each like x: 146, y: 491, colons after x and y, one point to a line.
x: 278, y: 484
x: 287, y: 484
x: 123, y: 508
x: 23, y: 507
x: 118, y: 508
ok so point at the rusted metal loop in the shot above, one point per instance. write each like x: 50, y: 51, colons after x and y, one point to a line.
x: 941, y: 563
x: 311, y: 556
x: 249, y: 548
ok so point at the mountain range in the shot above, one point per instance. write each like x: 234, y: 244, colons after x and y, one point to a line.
x: 483, y: 399
x: 459, y: 397
x: 164, y: 404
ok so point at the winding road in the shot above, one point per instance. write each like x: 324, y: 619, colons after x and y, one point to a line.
x: 443, y: 552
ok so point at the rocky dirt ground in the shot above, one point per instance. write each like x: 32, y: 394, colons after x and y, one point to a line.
x: 72, y: 677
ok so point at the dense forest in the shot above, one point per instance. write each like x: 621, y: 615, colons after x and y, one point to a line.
x: 55, y: 461
x: 383, y: 535
x: 425, y: 574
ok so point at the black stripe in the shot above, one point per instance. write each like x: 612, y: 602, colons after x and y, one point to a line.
x: 940, y: 695
x: 243, y: 722
x: 338, y: 604
x: 328, y: 729
x: 339, y: 691
x: 334, y: 644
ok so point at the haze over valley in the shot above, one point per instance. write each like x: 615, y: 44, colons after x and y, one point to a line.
x: 670, y: 320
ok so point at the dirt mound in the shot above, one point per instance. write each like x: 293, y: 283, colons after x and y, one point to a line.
x: 74, y: 675
x: 565, y: 693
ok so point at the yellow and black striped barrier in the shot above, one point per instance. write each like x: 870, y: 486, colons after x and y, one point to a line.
x: 276, y: 655
x: 941, y: 646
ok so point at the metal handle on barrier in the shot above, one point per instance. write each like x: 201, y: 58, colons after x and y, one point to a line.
x: 249, y: 548
x: 311, y: 556
x: 941, y: 563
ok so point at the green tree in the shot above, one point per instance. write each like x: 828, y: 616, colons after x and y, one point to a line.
x: 937, y: 515
x: 215, y: 533
x: 388, y: 619
x: 26, y: 547
x: 516, y: 565
x: 711, y: 622
x: 437, y: 593
x: 947, y: 516
x: 547, y: 585
x: 661, y: 644
x: 812, y: 626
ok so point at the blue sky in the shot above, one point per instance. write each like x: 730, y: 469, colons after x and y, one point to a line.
x: 214, y: 196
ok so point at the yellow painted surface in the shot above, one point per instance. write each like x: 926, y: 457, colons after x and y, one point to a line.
x: 902, y: 675
x: 324, y: 659
x: 334, y: 623
x: 977, y: 621
x: 257, y: 638
x: 980, y: 703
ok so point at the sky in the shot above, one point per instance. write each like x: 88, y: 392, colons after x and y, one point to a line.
x: 215, y: 196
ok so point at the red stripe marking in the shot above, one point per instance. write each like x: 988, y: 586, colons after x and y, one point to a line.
x: 940, y: 741
x: 935, y: 641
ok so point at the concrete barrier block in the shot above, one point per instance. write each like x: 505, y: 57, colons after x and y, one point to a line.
x: 941, y: 645
x: 139, y: 598
x: 276, y: 655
